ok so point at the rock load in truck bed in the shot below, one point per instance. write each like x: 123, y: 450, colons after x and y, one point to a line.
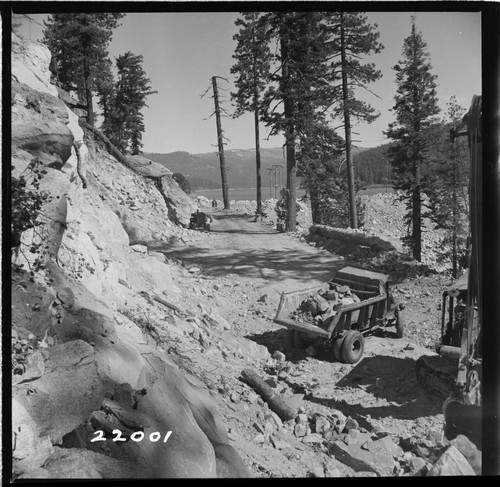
x: 350, y: 285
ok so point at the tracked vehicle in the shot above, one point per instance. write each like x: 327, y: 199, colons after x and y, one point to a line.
x: 456, y: 373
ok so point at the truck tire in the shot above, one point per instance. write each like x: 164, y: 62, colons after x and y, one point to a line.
x: 400, y: 324
x: 337, y: 346
x: 352, y: 347
x: 298, y: 339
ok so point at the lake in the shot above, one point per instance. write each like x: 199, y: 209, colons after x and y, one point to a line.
x: 240, y: 194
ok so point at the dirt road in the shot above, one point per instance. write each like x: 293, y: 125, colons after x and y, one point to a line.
x: 255, y: 250
x: 239, y: 269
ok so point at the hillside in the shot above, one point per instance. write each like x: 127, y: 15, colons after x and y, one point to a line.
x: 203, y: 170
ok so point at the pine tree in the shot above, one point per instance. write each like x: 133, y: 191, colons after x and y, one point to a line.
x: 123, y: 101
x: 415, y: 110
x: 320, y: 169
x: 252, y: 69
x: 298, y: 88
x: 351, y: 38
x: 448, y: 197
x: 78, y: 43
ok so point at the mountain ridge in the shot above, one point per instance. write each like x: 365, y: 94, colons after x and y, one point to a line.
x: 203, y: 170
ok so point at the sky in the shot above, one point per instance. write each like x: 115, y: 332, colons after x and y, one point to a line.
x: 182, y: 51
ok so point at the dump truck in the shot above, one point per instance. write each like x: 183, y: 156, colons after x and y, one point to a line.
x: 342, y: 311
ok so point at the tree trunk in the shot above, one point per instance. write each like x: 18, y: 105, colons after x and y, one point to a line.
x: 455, y: 222
x: 257, y: 134
x: 270, y: 395
x: 220, y: 143
x: 86, y: 75
x: 315, y: 208
x: 417, y: 215
x: 347, y: 126
x: 291, y: 168
x: 257, y: 156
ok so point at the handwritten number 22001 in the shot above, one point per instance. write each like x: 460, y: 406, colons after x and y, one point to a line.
x: 136, y: 436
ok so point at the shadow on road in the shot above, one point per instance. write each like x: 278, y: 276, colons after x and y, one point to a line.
x: 389, y: 378
x: 261, y: 263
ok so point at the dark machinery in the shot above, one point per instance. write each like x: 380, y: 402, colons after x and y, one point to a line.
x: 457, y: 371
x: 199, y: 220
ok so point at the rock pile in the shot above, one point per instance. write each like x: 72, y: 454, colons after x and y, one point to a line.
x: 356, y: 447
x: 320, y: 308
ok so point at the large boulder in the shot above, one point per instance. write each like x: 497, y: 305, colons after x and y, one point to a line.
x: 451, y: 463
x: 147, y: 168
x: 180, y: 205
x: 30, y: 449
x: 61, y: 400
x: 40, y: 125
x: 30, y: 65
x: 78, y: 463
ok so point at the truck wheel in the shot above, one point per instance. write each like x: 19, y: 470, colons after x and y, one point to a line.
x: 352, y: 347
x: 337, y: 345
x: 298, y: 339
x: 400, y: 325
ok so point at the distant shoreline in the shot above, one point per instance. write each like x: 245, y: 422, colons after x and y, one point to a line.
x: 249, y: 194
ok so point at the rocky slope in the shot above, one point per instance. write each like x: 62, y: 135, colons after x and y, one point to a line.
x: 81, y: 362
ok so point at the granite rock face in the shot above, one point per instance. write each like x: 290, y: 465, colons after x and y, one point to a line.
x: 89, y: 365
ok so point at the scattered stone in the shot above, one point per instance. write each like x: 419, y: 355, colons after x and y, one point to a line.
x: 262, y: 299
x: 278, y: 443
x: 469, y: 451
x: 235, y: 397
x: 356, y: 438
x: 259, y: 428
x: 300, y: 430
x: 215, y: 319
x: 268, y: 428
x: 271, y: 382
x: 384, y: 444
x: 418, y: 466
x: 362, y: 460
x: 364, y: 474
x: 142, y: 249
x: 312, y: 438
x: 302, y: 418
x: 322, y: 425
x: 274, y: 418
x: 252, y: 397
x: 194, y: 270
x: 260, y: 438
x: 451, y: 463
x: 351, y: 424
x: 316, y: 472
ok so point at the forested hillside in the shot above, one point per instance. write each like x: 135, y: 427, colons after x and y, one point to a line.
x: 372, y: 166
x: 203, y: 170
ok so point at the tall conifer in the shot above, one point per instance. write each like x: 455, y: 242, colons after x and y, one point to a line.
x: 415, y: 112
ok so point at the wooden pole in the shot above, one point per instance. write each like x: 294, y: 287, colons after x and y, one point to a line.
x: 220, y: 143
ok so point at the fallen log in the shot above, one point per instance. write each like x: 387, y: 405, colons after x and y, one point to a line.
x: 269, y: 395
x: 172, y: 306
